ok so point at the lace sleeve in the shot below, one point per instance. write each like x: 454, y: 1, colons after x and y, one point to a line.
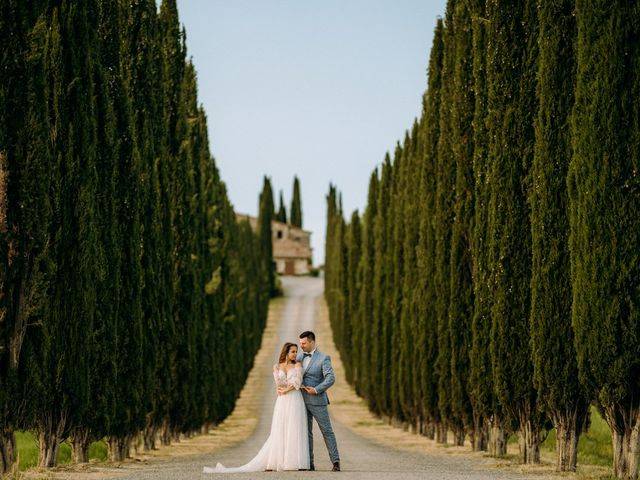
x: 276, y: 370
x: 296, y: 379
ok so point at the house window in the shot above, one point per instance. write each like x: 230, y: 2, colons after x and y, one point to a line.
x: 279, y: 234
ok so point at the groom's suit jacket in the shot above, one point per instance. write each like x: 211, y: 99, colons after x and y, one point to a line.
x: 319, y: 375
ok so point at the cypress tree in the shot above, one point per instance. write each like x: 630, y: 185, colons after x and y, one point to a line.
x: 332, y: 208
x: 362, y: 333
x: 142, y: 70
x: 445, y: 191
x: 282, y: 211
x: 296, y: 204
x: 380, y: 285
x: 350, y: 328
x: 407, y: 394
x: 340, y: 284
x: 461, y: 282
x: 425, y: 250
x: 487, y: 418
x: 511, y: 73
x: 61, y: 348
x: 396, y: 267
x: 124, y: 275
x: 105, y: 384
x: 265, y: 217
x: 171, y: 58
x: 604, y: 218
x: 554, y: 357
x: 25, y: 211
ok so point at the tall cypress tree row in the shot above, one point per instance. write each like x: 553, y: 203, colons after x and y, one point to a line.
x: 296, y: 204
x: 117, y: 230
x: 461, y: 283
x: 552, y: 347
x: 425, y: 251
x: 511, y: 73
x: 495, y: 220
x: 604, y: 216
x: 445, y: 192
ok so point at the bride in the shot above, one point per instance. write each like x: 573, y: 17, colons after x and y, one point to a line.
x: 287, y: 447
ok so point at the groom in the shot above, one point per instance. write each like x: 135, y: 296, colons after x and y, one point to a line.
x: 316, y: 379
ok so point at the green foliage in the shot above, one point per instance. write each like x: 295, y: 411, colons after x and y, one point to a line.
x: 135, y: 280
x: 445, y: 174
x: 281, y: 216
x: 461, y: 299
x: 604, y: 218
x: 472, y: 243
x: 296, y: 204
x: 481, y: 391
x: 265, y: 217
x: 552, y: 340
x: 511, y: 72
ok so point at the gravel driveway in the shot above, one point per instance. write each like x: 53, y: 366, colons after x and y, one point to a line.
x: 360, y: 458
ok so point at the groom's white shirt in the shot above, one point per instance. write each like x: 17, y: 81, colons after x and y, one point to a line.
x: 307, y: 360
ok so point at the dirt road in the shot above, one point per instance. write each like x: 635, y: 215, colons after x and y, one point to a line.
x: 361, y: 457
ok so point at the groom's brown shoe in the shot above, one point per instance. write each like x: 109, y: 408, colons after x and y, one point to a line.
x: 336, y: 467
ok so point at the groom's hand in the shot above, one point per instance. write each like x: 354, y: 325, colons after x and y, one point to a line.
x: 311, y: 390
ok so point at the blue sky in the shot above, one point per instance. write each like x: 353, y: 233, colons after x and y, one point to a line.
x: 321, y: 89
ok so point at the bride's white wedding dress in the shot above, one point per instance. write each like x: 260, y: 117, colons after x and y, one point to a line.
x: 287, y: 447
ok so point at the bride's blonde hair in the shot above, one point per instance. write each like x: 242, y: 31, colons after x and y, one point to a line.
x: 285, y: 351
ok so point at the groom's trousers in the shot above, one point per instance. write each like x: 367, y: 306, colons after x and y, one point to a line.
x: 321, y: 414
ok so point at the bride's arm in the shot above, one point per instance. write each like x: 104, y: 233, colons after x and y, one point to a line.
x: 295, y: 382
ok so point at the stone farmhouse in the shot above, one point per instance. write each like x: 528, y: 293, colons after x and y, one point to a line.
x: 292, y: 252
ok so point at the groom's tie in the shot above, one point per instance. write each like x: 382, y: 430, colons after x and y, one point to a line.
x: 306, y: 355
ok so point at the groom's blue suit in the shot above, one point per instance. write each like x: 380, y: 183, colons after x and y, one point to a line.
x: 319, y: 375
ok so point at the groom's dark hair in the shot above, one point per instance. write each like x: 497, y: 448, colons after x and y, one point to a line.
x: 310, y: 335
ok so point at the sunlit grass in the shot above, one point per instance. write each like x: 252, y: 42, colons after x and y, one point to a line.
x: 594, y: 447
x: 28, y: 451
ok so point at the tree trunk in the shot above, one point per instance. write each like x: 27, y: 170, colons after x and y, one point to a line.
x: 165, y: 437
x: 175, y: 435
x: 133, y: 444
x: 530, y: 439
x: 80, y: 440
x: 428, y: 429
x: 149, y: 436
x: 569, y: 426
x: 118, y: 448
x: 458, y: 436
x: 480, y: 435
x: 49, y: 439
x: 441, y: 432
x: 497, y: 439
x: 624, y: 423
x: 7, y: 451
